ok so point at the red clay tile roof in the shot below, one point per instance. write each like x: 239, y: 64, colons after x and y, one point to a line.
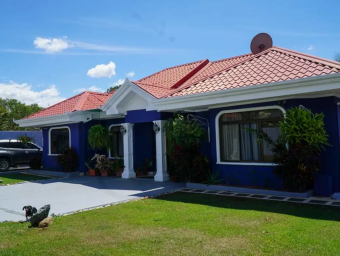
x: 83, y: 101
x: 273, y: 65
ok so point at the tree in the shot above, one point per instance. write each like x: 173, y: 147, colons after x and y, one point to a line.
x: 13, y: 109
x: 337, y: 57
x: 111, y: 89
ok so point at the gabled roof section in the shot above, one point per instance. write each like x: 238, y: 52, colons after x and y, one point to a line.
x: 166, y: 81
x: 170, y: 77
x: 273, y: 65
x: 83, y: 101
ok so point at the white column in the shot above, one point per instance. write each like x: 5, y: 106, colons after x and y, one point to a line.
x: 162, y: 173
x: 128, y: 152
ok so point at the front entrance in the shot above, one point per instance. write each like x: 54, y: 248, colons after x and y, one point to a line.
x: 144, y: 148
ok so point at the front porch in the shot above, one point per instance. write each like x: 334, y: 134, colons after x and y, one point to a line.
x: 145, y: 143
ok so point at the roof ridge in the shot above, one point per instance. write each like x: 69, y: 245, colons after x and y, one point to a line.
x: 313, y: 58
x: 219, y: 72
x: 169, y: 68
x: 190, y: 74
x: 55, y: 105
x: 80, y: 102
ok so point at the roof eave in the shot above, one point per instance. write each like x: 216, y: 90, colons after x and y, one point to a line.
x: 75, y: 117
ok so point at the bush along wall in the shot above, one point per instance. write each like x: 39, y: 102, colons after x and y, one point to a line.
x: 297, y: 151
x: 184, y: 158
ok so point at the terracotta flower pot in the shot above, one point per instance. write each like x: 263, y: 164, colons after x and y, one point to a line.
x: 174, y: 178
x: 145, y: 171
x: 119, y: 172
x: 92, y: 172
x: 105, y: 174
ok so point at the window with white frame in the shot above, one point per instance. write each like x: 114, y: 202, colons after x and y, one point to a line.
x: 237, y: 141
x: 117, y: 148
x: 59, y: 140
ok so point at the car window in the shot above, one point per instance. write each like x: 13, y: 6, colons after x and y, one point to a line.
x: 31, y: 146
x: 15, y: 145
x: 3, y: 144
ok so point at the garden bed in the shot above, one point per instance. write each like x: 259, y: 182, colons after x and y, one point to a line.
x: 235, y: 189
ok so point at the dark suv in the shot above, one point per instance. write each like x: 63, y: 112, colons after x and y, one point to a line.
x: 14, y: 152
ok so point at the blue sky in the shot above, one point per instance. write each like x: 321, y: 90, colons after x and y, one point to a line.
x: 48, y: 47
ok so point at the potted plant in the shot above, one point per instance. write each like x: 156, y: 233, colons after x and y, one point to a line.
x: 120, y: 163
x: 92, y: 171
x: 147, y: 164
x: 99, y: 137
x: 103, y: 165
x: 138, y: 171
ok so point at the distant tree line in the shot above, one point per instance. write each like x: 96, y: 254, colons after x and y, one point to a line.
x: 337, y: 56
x: 13, y: 109
x: 113, y: 88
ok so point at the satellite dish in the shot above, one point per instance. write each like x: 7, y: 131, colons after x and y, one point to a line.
x: 260, y: 43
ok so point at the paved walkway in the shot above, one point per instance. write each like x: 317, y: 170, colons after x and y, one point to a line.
x: 73, y: 194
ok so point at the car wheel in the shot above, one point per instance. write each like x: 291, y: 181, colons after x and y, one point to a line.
x: 4, y: 164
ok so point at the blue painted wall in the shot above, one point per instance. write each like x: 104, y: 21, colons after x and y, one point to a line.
x: 143, y: 116
x: 37, y: 135
x: 327, y: 182
x: 77, y: 142
x: 328, y: 178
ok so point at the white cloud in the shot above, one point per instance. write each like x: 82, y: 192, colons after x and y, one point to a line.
x: 130, y: 74
x: 119, y: 82
x: 25, y: 94
x: 92, y: 89
x: 51, y: 45
x: 310, y: 48
x: 103, y: 70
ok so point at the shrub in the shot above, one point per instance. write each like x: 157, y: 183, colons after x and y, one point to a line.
x: 184, y: 142
x: 35, y: 163
x: 296, y: 165
x: 297, y: 151
x: 302, y: 126
x: 25, y: 139
x: 68, y: 160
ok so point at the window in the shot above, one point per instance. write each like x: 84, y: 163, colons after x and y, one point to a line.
x: 117, y: 142
x: 3, y: 144
x: 31, y: 146
x: 15, y: 145
x: 59, y: 140
x: 239, y: 144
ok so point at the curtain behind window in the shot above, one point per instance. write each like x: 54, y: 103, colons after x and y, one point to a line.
x: 230, y: 145
x: 249, y: 144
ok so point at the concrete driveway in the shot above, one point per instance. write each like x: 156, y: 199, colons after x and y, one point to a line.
x: 72, y: 194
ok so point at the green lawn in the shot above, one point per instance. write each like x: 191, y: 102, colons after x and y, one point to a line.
x: 183, y: 224
x: 19, y: 177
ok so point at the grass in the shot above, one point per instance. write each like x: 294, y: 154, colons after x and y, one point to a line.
x: 183, y: 224
x: 19, y: 177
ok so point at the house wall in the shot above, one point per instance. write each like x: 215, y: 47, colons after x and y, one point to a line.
x: 50, y: 161
x: 328, y: 178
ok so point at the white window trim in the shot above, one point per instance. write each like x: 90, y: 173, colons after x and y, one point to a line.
x: 109, y: 151
x: 49, y: 138
x: 217, y: 131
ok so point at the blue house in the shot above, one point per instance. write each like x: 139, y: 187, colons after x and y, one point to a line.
x: 251, y: 90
